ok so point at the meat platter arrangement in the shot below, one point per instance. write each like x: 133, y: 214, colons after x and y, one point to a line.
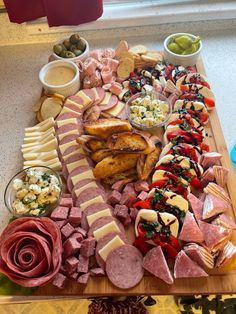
x: 120, y: 179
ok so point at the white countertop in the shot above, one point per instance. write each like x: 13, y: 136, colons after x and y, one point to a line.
x: 20, y: 88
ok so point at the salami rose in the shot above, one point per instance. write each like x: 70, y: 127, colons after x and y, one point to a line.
x: 30, y: 251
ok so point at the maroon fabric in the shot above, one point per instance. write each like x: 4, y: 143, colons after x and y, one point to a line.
x: 69, y: 12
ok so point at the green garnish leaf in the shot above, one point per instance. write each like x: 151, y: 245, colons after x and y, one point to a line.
x: 7, y: 287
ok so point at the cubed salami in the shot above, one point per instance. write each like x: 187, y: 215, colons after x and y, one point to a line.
x: 121, y: 212
x: 83, y: 279
x: 60, y: 281
x: 61, y: 223
x: 60, y: 213
x: 88, y: 247
x: 78, y: 236
x: 114, y: 198
x: 97, y: 272
x: 81, y: 231
x: 67, y: 230
x: 71, y: 264
x: 75, y: 215
x: 140, y: 186
x: 83, y: 264
x: 70, y: 247
x: 129, y: 189
x: 66, y: 202
x: 133, y: 213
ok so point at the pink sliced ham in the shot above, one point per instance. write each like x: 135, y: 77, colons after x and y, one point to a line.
x: 213, y: 205
x: 208, y: 176
x: 107, y: 75
x: 87, y: 82
x: 209, y: 159
x: 108, y: 53
x: 224, y: 220
x: 100, y: 94
x: 154, y: 262
x: 196, y: 205
x: 96, y: 79
x: 228, y: 252
x: 116, y: 88
x: 215, y: 236
x: 90, y: 66
x: 97, y: 54
x: 108, y: 102
x: 190, y: 231
x: 186, y: 268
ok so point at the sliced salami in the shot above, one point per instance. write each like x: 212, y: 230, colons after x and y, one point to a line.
x: 103, y: 241
x: 100, y: 92
x: 122, y: 115
x: 76, y: 171
x: 66, y: 128
x: 74, y: 107
x: 89, y: 194
x: 67, y: 115
x: 102, y: 222
x: 76, y: 157
x: 68, y: 138
x: 92, y: 209
x: 190, y: 231
x: 124, y: 266
x: 66, y: 165
x: 90, y: 93
x: 77, y: 99
x: 112, y: 102
x: 71, y: 149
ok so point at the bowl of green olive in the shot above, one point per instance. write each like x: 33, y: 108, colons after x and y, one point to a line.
x: 182, y: 49
x: 71, y: 48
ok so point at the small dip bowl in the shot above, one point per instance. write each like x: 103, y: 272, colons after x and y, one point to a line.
x: 60, y: 76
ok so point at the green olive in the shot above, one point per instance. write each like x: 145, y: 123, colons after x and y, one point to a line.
x: 58, y: 49
x: 72, y: 47
x: 74, y: 38
x: 77, y: 52
x: 69, y: 54
x: 81, y: 45
x: 66, y: 43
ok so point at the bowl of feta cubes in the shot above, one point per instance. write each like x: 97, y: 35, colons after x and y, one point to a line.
x: 147, y: 111
x: 34, y: 191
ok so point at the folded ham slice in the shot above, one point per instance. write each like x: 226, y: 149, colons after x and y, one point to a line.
x: 224, y: 220
x: 215, y: 236
x: 202, y: 256
x: 208, y: 176
x: 209, y: 159
x: 187, y: 268
x: 221, y: 175
x: 226, y: 254
x: 154, y: 262
x: 213, y: 205
x: 196, y: 205
x: 218, y: 191
x: 190, y: 231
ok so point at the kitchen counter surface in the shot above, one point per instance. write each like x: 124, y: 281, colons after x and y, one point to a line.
x: 20, y: 88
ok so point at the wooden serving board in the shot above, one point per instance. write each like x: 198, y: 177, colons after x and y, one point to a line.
x: 219, y: 282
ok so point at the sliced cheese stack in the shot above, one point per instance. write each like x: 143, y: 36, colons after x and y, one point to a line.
x: 40, y: 146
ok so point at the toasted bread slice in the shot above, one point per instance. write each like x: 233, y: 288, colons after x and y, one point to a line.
x: 101, y: 154
x: 106, y: 127
x: 127, y: 176
x: 149, y: 163
x: 115, y: 164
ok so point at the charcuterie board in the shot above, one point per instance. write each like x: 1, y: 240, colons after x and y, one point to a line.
x: 220, y: 281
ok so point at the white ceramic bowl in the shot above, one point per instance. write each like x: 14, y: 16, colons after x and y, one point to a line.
x: 81, y: 57
x: 67, y: 89
x: 176, y: 59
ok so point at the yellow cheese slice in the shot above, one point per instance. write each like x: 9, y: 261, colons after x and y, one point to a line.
x: 73, y: 132
x: 106, y: 99
x: 42, y: 156
x: 100, y: 214
x: 167, y: 219
x: 82, y: 162
x: 83, y: 175
x: 176, y: 200
x: 66, y: 121
x: 78, y: 151
x: 96, y: 94
x: 86, y: 100
x: 31, y: 137
x: 117, y: 109
x: 42, y: 126
x: 63, y: 147
x: 101, y: 232
x: 111, y: 245
x: 94, y: 200
x: 51, y: 145
x: 71, y: 102
x: 40, y: 141
x: 66, y: 110
x: 92, y: 184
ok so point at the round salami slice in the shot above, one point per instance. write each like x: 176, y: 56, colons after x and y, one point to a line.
x: 124, y: 266
x: 111, y: 103
x: 66, y: 128
x: 67, y: 115
x: 68, y: 138
x: 74, y: 108
x: 79, y: 185
x: 73, y: 159
x: 70, y: 150
x: 101, y: 94
x: 92, y: 209
x: 89, y: 194
x: 77, y: 99
x: 102, y: 222
x: 90, y: 93
x: 76, y: 171
x: 103, y: 241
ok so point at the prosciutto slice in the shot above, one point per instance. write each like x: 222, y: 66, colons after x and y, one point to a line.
x: 196, y: 205
x: 190, y: 231
x: 214, y: 236
x: 213, y: 205
x: 186, y: 268
x: 31, y: 251
x: 224, y: 220
x: 209, y: 159
x: 155, y: 262
x: 200, y: 255
x: 226, y: 254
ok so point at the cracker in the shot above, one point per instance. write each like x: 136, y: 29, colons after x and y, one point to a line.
x: 125, y: 67
x: 122, y: 47
x: 139, y: 49
x: 51, y: 107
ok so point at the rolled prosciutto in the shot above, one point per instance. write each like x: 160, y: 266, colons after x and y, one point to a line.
x: 31, y: 251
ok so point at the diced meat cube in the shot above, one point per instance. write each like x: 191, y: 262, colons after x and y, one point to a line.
x: 75, y: 216
x: 118, y: 185
x: 74, y: 276
x: 66, y: 201
x: 114, y: 198
x: 83, y: 279
x: 140, y: 186
x: 78, y: 236
x: 143, y: 196
x: 88, y: 247
x: 127, y: 199
x: 121, y: 211
x: 60, y: 281
x: 70, y: 247
x: 97, y: 272
x: 129, y: 189
x: 67, y: 230
x: 63, y: 270
x: 127, y: 221
x: 61, y: 223
x: 81, y: 231
x: 66, y: 195
x: 83, y: 264
x: 133, y: 213
x: 60, y: 213
x: 71, y: 264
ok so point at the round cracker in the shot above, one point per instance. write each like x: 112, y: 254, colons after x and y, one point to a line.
x: 125, y: 67
x: 51, y: 107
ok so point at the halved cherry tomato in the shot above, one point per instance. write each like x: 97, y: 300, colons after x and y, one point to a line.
x: 203, y: 116
x: 184, y: 88
x: 209, y: 102
x: 204, y: 147
x: 143, y: 204
x: 143, y: 246
x: 196, y: 183
x: 158, y: 184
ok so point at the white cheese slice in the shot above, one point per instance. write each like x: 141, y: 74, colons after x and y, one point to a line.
x: 33, y: 136
x: 78, y: 151
x: 38, y: 162
x: 42, y: 140
x: 66, y: 121
x: 63, y: 147
x: 106, y: 99
x: 42, y: 156
x: 167, y: 219
x: 83, y: 175
x: 55, y: 166
x: 94, y: 200
x: 159, y: 175
x: 165, y: 159
x: 117, y: 109
x: 111, y: 245
x: 145, y: 214
x: 96, y: 216
x: 176, y: 200
x: 42, y: 126
x: 82, y: 162
x: 92, y: 184
x: 72, y: 132
x: 104, y: 230
x: 51, y: 145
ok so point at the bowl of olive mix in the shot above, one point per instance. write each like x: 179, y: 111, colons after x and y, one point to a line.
x: 71, y: 48
x: 182, y: 49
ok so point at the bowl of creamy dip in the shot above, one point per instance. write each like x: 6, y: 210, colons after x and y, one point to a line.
x: 60, y: 77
